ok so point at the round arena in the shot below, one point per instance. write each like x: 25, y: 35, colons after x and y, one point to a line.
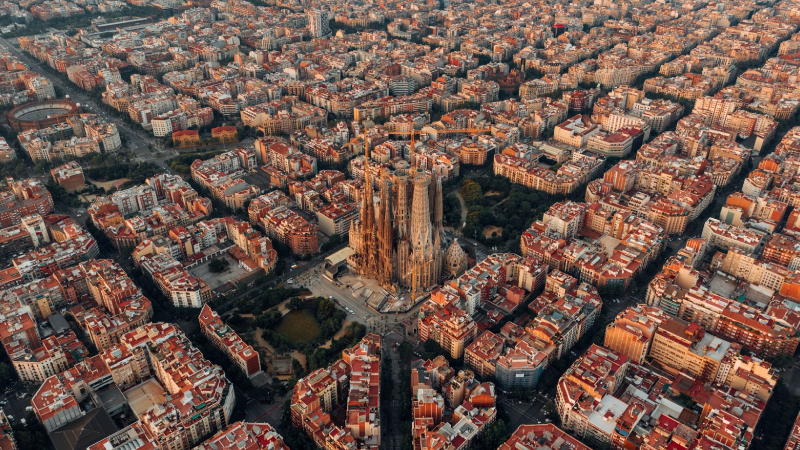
x: 36, y: 115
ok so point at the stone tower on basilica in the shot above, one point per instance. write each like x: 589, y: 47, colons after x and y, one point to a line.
x: 399, y: 240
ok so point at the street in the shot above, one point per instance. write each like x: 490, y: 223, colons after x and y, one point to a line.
x: 138, y: 140
x: 257, y: 412
x: 522, y: 412
x: 12, y: 404
x: 374, y: 321
x: 392, y: 434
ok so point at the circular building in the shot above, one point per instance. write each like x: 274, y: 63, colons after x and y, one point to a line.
x: 36, y: 115
x: 455, y: 260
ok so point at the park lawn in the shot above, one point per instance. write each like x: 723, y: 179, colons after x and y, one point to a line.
x: 301, y: 325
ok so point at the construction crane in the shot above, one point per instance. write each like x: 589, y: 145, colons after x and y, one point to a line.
x: 415, y: 133
x: 66, y: 116
x: 363, y: 137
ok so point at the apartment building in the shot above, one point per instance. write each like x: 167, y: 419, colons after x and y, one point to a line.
x: 363, y: 418
x: 658, y: 114
x: 436, y: 390
x: 261, y: 205
x: 632, y: 332
x: 22, y: 238
x: 727, y: 236
x: 680, y: 291
x: 617, y: 144
x: 354, y: 380
x: 224, y: 338
x: 755, y: 271
x: 581, y: 389
x: 111, y: 289
x: 23, y: 198
x: 7, y: 153
x: 548, y: 435
x: 285, y: 157
x: 564, y: 219
x: 69, y: 175
x: 252, y: 244
x: 583, y: 256
x: 134, y: 199
x: 565, y: 180
x: 563, y: 319
x: 20, y: 329
x: 481, y: 354
x: 576, y: 131
x: 134, y: 434
x: 336, y: 218
x: 177, y: 421
x: 78, y: 246
x: 245, y: 436
x: 681, y: 346
x: 222, y: 174
x: 57, y: 353
x: 288, y: 227
x: 761, y: 334
x: 520, y: 367
x: 54, y: 405
x: 512, y: 366
x: 747, y: 373
x: 318, y: 25
x: 448, y: 326
x: 781, y: 249
x: 183, y: 289
x: 54, y: 9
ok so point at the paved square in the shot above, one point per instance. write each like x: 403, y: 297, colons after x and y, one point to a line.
x: 216, y: 280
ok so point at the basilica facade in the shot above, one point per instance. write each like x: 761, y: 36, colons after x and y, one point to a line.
x: 398, y: 240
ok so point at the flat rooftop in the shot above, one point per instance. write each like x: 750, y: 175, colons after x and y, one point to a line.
x: 722, y: 285
x: 144, y: 396
x: 605, y: 417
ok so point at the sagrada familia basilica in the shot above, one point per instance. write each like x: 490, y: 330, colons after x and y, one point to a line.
x: 401, y: 243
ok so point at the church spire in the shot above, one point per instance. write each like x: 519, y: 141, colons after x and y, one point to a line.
x: 438, y: 206
x: 386, y: 233
x: 368, y: 216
